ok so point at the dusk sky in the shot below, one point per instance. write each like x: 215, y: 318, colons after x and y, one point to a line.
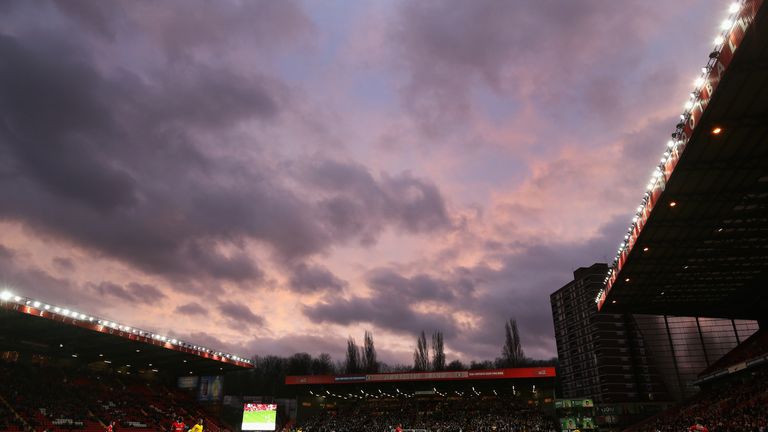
x: 270, y: 177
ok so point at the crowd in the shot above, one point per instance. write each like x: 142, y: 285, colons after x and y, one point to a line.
x: 490, y: 414
x: 55, y: 400
x: 738, y: 405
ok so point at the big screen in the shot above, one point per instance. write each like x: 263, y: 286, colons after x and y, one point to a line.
x: 259, y: 417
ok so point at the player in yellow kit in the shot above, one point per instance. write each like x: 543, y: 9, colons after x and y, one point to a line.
x: 198, y: 427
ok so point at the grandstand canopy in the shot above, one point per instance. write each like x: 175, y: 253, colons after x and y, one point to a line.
x: 699, y: 243
x: 31, y: 327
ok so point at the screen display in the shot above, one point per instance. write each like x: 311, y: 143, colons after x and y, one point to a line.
x: 259, y: 417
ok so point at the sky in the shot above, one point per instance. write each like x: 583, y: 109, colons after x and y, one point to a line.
x: 272, y: 177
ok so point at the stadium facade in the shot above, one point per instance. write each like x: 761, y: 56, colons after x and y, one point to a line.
x: 633, y: 358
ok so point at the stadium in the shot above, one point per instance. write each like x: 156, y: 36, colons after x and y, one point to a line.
x: 696, y: 251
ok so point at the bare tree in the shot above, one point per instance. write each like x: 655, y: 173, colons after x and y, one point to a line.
x: 512, y: 353
x: 352, y: 363
x: 322, y: 365
x: 421, y: 354
x: 369, y: 363
x: 455, y: 365
x: 438, y: 353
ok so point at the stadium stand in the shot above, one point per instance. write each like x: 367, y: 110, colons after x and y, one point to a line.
x: 53, y: 399
x: 57, y: 400
x: 739, y: 403
x: 502, y: 414
x: 754, y: 347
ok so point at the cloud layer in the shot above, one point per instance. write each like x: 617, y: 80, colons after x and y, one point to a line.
x: 295, y: 176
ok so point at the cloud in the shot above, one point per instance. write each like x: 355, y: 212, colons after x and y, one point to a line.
x: 356, y: 204
x: 191, y: 309
x: 236, y: 147
x: 63, y: 264
x: 238, y: 315
x: 31, y: 281
x: 383, y: 311
x: 133, y: 292
x: 313, y: 278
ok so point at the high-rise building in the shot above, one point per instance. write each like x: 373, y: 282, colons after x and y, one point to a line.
x: 623, y: 358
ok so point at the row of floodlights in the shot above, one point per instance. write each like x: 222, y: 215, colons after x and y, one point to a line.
x: 725, y: 27
x: 381, y: 394
x: 6, y: 296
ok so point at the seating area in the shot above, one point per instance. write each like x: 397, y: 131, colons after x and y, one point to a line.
x: 54, y: 400
x: 736, y: 405
x: 471, y: 414
x: 755, y: 346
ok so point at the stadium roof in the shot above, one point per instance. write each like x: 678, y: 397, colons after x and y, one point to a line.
x: 698, y: 245
x: 466, y: 375
x: 41, y: 328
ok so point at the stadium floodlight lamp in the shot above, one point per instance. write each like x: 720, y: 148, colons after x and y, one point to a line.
x: 36, y: 304
x: 689, y: 105
x: 719, y: 40
x: 699, y: 81
x: 65, y: 312
x: 17, y: 298
x: 726, y: 25
x: 734, y: 7
x: 174, y: 341
x: 47, y: 307
x: 6, y: 295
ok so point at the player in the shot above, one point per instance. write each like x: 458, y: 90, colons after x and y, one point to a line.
x: 399, y: 428
x: 197, y: 427
x: 111, y: 426
x: 698, y: 426
x: 178, y: 425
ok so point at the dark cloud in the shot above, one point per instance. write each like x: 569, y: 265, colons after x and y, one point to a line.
x: 6, y: 254
x: 125, y: 163
x: 239, y: 315
x: 358, y: 205
x: 133, y: 292
x: 448, y: 50
x: 63, y: 263
x: 384, y: 311
x: 421, y: 286
x: 34, y: 282
x: 392, y: 304
x: 520, y: 287
x: 191, y: 309
x: 314, y: 278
